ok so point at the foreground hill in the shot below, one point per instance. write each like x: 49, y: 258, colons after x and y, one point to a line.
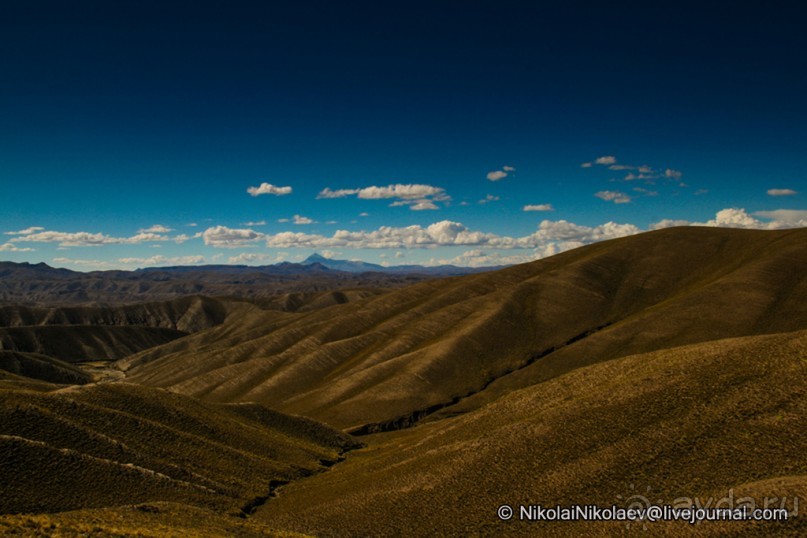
x: 453, y: 345
x: 143, y: 520
x: 106, y: 445
x: 711, y: 420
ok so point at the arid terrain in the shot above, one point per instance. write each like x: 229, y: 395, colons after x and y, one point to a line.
x: 666, y: 365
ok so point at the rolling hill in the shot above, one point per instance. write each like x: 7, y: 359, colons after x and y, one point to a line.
x: 695, y: 421
x: 110, y: 332
x: 653, y: 368
x: 98, y: 445
x: 452, y: 345
x: 104, y: 332
x: 42, y: 367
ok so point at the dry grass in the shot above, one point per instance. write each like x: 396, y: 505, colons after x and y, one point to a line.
x: 387, y: 357
x: 694, y: 421
x: 149, y: 520
x: 98, y: 446
x: 675, y: 360
x: 42, y: 367
x: 77, y: 343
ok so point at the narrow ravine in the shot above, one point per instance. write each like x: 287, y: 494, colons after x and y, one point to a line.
x: 274, y: 485
x: 410, y: 419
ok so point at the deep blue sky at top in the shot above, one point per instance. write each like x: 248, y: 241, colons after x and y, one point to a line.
x: 118, y: 115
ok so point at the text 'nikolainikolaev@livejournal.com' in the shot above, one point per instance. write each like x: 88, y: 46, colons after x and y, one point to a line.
x: 652, y: 513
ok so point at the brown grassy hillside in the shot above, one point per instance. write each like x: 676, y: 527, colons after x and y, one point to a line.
x: 106, y: 445
x: 105, y: 332
x: 456, y: 344
x: 42, y: 367
x: 693, y: 421
x: 77, y: 343
x: 144, y: 520
x: 110, y: 332
x: 187, y: 314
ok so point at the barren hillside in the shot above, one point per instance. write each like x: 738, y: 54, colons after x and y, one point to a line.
x: 452, y: 345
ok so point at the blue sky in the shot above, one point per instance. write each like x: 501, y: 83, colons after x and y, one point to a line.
x: 132, y: 131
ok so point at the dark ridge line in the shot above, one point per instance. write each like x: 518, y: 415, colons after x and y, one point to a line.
x: 274, y: 485
x: 409, y: 420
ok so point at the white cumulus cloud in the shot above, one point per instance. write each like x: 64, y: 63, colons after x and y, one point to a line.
x: 538, y: 207
x: 422, y: 205
x: 268, y: 188
x: 781, y: 192
x: 299, y: 219
x: 327, y: 192
x: 156, y: 228
x: 404, y: 192
x: 222, y: 236
x: 613, y: 196
x: 450, y: 233
x: 27, y: 231
x: 734, y: 217
x: 94, y: 239
x: 497, y: 175
x: 796, y: 217
x: 416, y: 196
x: 85, y: 239
x: 605, y: 160
x: 11, y: 247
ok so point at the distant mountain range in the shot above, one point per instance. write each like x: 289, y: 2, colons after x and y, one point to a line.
x: 364, y: 267
x: 39, y: 283
x: 313, y: 264
x: 319, y: 263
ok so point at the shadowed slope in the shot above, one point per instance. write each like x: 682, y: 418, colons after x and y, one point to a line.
x: 386, y: 361
x: 188, y: 314
x: 103, y: 445
x: 71, y: 343
x: 87, y: 333
x: 43, y: 368
x: 693, y: 421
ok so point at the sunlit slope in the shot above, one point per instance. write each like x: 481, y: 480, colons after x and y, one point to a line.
x: 112, y: 444
x: 693, y: 421
x: 394, y: 357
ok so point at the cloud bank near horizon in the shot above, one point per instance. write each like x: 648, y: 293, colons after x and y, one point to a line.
x: 485, y: 248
